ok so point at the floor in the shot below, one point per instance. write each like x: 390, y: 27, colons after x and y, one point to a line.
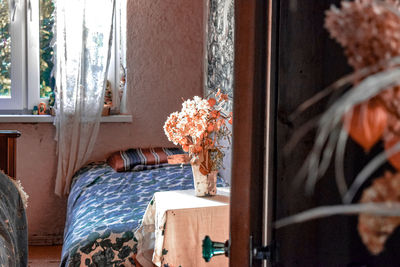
x: 44, y: 256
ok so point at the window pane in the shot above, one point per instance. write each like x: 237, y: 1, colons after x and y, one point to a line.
x: 46, y: 51
x: 5, y: 51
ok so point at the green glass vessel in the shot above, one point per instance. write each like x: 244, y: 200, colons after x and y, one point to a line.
x: 211, y: 249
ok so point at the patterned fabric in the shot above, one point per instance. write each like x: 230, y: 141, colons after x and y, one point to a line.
x: 136, y: 159
x: 153, y: 236
x: 220, y: 50
x: 13, y: 227
x: 149, y: 167
x: 105, y: 207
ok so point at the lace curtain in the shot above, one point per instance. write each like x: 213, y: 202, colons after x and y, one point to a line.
x: 83, y: 36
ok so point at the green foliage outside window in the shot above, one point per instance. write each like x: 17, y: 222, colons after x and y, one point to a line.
x: 47, y: 9
x: 46, y: 50
x: 5, y: 50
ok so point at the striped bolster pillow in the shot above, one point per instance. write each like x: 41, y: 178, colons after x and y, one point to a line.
x: 127, y: 160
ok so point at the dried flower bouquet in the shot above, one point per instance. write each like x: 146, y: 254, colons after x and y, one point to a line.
x: 369, y: 31
x: 198, y: 128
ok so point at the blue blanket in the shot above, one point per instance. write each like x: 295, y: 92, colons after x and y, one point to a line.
x: 105, y: 207
x: 13, y: 227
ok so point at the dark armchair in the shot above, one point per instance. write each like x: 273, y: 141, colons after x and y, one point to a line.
x: 8, y: 151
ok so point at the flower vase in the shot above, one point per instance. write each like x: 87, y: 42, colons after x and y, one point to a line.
x: 204, y: 185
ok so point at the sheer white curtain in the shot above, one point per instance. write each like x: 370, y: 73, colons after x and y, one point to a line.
x: 83, y: 46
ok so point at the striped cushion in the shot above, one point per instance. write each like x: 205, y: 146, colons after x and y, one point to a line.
x: 141, y: 158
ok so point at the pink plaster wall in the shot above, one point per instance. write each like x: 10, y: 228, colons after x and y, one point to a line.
x: 165, y: 63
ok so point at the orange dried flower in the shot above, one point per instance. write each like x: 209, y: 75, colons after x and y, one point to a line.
x: 223, y: 97
x: 185, y: 147
x: 366, y: 123
x: 212, y: 102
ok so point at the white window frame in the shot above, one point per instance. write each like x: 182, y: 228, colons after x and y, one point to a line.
x: 122, y: 38
x: 114, y: 72
x: 33, y: 55
x: 25, y: 58
x: 18, y: 59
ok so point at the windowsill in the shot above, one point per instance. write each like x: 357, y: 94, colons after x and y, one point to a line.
x: 50, y: 119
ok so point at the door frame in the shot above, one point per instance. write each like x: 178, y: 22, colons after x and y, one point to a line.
x: 253, y: 130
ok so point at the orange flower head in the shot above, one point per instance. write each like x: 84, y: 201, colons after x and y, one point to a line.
x: 185, y: 148
x: 212, y: 102
x: 223, y: 97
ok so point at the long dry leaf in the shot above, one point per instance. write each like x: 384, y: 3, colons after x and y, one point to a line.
x: 366, y: 172
x: 339, y: 156
x: 332, y: 118
x: 380, y: 209
x: 341, y: 83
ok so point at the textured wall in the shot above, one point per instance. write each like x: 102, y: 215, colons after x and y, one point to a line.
x: 165, y: 63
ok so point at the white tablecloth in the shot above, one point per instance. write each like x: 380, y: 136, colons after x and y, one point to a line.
x: 175, y: 223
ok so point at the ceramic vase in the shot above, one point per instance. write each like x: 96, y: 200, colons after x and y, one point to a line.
x: 204, y: 185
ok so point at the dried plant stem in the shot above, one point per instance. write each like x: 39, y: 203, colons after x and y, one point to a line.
x: 332, y: 118
x: 339, y: 156
x: 328, y: 152
x: 341, y: 84
x: 379, y: 209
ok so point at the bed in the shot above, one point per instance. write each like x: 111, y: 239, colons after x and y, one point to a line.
x: 105, y: 207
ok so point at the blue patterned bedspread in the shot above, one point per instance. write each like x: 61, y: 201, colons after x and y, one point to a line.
x: 105, y: 208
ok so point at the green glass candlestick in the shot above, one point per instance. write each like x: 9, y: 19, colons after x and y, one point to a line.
x: 211, y: 249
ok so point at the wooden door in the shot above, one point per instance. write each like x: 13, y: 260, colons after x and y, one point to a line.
x: 283, y: 56
x: 251, y: 130
x: 308, y: 60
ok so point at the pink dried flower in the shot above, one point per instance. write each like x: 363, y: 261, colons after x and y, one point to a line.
x: 369, y: 30
x: 374, y: 230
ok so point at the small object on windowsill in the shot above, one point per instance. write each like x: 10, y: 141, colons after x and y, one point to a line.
x: 114, y: 111
x: 106, y: 110
x: 52, y: 111
x: 42, y: 108
x: 35, y: 110
x: 108, y: 94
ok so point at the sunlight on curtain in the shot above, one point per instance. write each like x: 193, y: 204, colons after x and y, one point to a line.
x: 83, y: 32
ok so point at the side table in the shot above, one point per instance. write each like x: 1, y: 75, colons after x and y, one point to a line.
x: 174, y: 225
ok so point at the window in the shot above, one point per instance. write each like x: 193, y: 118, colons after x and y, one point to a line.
x: 40, y: 21
x: 26, y: 53
x: 12, y: 57
x: 117, y: 68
